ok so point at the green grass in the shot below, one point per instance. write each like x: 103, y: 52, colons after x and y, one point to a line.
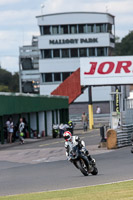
x: 116, y: 191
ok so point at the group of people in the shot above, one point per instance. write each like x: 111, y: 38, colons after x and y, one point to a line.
x: 10, y: 130
x: 60, y: 129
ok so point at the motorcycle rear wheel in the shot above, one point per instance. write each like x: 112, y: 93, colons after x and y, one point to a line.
x: 82, y: 167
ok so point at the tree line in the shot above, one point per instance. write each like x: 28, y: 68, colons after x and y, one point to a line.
x: 125, y: 47
x: 9, y: 82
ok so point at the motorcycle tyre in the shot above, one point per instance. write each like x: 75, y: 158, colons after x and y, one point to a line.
x: 95, y: 171
x: 75, y: 164
x: 54, y: 136
x: 83, y: 171
x: 132, y: 150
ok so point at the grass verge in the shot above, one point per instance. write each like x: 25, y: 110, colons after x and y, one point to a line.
x: 115, y: 191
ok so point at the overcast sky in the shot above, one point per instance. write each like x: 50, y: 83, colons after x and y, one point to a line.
x: 18, y: 21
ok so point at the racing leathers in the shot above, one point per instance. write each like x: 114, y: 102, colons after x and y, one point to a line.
x: 75, y: 140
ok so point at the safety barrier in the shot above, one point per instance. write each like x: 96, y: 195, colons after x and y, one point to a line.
x: 124, y: 136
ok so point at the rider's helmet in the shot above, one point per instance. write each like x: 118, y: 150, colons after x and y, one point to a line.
x: 67, y: 135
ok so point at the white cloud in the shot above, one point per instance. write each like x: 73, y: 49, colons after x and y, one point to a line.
x: 10, y: 41
x: 90, y: 6
x: 10, y: 63
x: 4, y: 2
x: 14, y: 18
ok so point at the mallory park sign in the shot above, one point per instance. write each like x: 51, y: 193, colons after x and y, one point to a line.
x: 74, y: 41
x: 111, y: 70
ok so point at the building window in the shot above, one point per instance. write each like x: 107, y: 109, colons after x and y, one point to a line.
x: 47, y: 53
x: 109, y: 28
x: 74, y: 53
x: 92, y: 52
x: 100, y: 51
x: 42, y: 53
x: 55, y: 30
x: 73, y: 29
x: 100, y: 28
x: 57, y: 77
x: 83, y: 52
x: 65, y: 53
x: 105, y: 51
x: 42, y: 30
x: 48, y: 77
x: 90, y: 28
x: 65, y: 75
x: 82, y: 28
x: 112, y: 40
x: 104, y: 28
x: 56, y: 53
x: 64, y: 29
x: 26, y: 63
x: 43, y: 77
x: 47, y: 30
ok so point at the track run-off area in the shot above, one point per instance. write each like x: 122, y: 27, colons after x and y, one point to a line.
x: 42, y: 166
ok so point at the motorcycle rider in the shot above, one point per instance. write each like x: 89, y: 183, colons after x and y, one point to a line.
x: 71, y: 141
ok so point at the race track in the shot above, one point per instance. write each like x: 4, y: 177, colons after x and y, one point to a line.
x: 19, y: 177
x: 24, y: 178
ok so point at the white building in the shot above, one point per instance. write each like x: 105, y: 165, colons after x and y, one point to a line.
x: 29, y: 67
x: 64, y: 38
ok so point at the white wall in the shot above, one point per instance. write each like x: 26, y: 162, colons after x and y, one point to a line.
x: 59, y: 65
x: 102, y: 38
x: 33, y: 121
x: 41, y: 122
x: 74, y: 18
x: 49, y: 123
x: 47, y: 89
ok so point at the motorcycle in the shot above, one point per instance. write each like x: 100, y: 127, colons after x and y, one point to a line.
x: 81, y: 162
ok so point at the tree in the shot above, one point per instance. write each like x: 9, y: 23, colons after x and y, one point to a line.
x: 4, y: 88
x: 125, y: 47
x: 14, y: 87
x: 5, y: 77
x: 8, y: 82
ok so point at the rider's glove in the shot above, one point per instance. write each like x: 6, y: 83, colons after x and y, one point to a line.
x: 83, y: 150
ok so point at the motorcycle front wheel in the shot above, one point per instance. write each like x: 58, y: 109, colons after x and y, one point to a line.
x: 95, y: 171
x: 82, y: 167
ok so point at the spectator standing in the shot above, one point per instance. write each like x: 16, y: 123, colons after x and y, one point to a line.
x: 10, y: 134
x: 98, y: 110
x: 70, y: 127
x: 21, y: 131
x: 62, y: 128
x: 7, y: 129
x: 84, y: 121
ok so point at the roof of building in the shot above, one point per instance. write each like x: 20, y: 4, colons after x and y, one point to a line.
x: 75, y: 13
x: 22, y: 103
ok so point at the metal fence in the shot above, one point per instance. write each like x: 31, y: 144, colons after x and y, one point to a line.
x: 125, y: 135
x: 99, y: 120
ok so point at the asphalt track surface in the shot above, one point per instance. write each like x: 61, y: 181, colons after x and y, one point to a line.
x: 19, y: 178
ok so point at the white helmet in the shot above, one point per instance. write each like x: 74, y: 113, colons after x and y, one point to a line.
x: 67, y: 135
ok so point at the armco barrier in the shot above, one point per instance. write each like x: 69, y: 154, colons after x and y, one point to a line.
x: 124, y: 136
